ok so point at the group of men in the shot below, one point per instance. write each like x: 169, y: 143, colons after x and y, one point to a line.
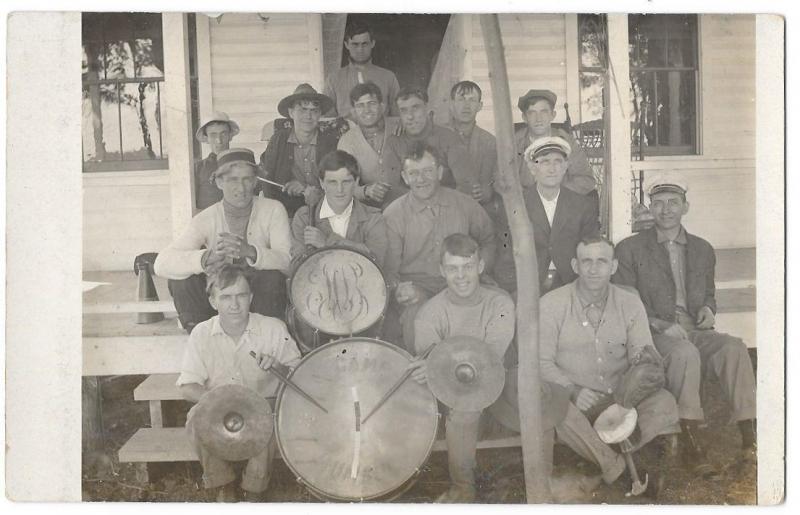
x: 419, y: 199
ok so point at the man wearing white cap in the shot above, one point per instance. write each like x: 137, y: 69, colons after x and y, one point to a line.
x: 560, y: 218
x: 217, y: 131
x: 674, y: 273
x: 241, y: 229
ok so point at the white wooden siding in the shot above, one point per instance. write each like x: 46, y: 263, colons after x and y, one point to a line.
x: 124, y: 215
x: 535, y: 57
x: 256, y: 63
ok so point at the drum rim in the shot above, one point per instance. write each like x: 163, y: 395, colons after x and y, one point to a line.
x: 305, y: 257
x: 384, y: 495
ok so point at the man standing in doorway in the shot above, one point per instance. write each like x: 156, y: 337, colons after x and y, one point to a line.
x: 359, y: 42
x: 538, y: 108
x: 217, y: 131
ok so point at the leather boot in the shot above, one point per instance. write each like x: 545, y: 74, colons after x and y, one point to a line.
x: 693, y: 456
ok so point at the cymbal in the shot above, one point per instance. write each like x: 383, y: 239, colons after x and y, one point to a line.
x: 233, y: 422
x: 464, y: 374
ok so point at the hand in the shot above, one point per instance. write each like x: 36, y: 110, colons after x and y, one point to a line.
x: 705, y: 318
x: 312, y: 195
x: 265, y: 361
x: 676, y: 331
x: 587, y: 398
x: 294, y: 188
x: 212, y: 261
x: 313, y: 236
x: 420, y: 368
x: 234, y: 246
x: 407, y: 294
x: 478, y: 193
x: 377, y: 191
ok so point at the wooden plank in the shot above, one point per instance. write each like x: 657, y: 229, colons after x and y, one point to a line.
x: 741, y: 325
x: 124, y: 324
x: 159, y: 387
x: 158, y: 445
x: 123, y: 355
x: 156, y: 416
x: 498, y: 443
x: 156, y: 306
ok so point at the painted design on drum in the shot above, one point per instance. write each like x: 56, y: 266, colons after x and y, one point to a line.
x: 337, y: 295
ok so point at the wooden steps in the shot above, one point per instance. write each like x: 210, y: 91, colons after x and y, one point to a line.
x: 169, y: 444
x: 158, y: 387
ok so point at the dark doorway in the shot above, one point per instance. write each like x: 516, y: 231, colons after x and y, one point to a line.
x: 407, y: 44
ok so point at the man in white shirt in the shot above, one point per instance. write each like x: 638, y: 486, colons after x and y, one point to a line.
x: 241, y: 228
x: 218, y: 353
x: 560, y: 217
x: 339, y: 219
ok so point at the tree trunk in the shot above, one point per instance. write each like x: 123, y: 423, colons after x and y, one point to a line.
x: 537, y: 484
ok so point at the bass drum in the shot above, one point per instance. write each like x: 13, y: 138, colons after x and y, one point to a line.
x: 335, y: 292
x: 334, y: 454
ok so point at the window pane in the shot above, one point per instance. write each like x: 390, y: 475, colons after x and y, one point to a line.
x: 119, y: 60
x: 676, y: 108
x: 141, y: 127
x: 100, y: 125
x: 145, y: 58
x: 592, y: 40
x: 643, y: 129
x: 647, y: 41
x: 592, y: 85
x: 681, y: 32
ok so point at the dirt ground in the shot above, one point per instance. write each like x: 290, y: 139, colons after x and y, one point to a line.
x: 500, y: 476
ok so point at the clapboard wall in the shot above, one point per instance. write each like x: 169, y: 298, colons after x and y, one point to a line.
x: 258, y: 59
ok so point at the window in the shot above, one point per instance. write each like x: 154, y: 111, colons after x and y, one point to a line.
x: 664, y: 72
x: 122, y: 75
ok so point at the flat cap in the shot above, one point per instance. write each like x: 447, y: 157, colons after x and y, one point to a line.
x: 234, y: 155
x: 548, y: 144
x: 534, y: 94
x: 666, y: 181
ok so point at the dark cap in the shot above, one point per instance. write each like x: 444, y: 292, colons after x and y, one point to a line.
x: 235, y: 155
x: 535, y: 94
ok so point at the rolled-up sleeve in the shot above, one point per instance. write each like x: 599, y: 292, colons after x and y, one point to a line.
x: 183, y: 257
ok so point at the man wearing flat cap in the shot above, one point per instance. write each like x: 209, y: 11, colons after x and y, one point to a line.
x: 292, y: 155
x: 673, y: 271
x: 538, y: 107
x: 241, y: 229
x: 560, y: 217
x: 217, y: 131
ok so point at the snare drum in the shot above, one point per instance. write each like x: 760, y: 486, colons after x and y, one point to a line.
x: 335, y: 292
x: 334, y: 454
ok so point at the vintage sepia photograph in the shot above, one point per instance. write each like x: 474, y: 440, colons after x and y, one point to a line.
x: 422, y: 258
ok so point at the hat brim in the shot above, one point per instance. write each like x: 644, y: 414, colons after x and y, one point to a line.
x: 666, y: 188
x: 202, y: 137
x: 524, y: 101
x: 325, y: 102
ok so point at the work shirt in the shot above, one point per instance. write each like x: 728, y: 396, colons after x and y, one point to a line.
x: 488, y: 315
x: 212, y: 358
x: 482, y: 148
x: 573, y: 353
x: 370, y: 160
x: 417, y: 228
x: 340, y: 83
x: 339, y: 221
x: 304, y: 168
x: 677, y: 262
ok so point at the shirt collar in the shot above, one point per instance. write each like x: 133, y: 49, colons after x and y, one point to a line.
x: 438, y: 199
x: 216, y: 326
x: 680, y: 238
x: 326, y: 211
x: 293, y: 138
x: 545, y: 201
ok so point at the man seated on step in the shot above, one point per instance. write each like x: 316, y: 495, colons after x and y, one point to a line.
x: 591, y: 334
x: 673, y: 271
x: 241, y: 228
x: 218, y: 353
x: 366, y: 141
x: 339, y: 219
x: 560, y: 218
x: 418, y: 222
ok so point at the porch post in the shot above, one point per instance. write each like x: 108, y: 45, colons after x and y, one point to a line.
x: 178, y: 119
x: 316, y: 70
x: 618, y: 140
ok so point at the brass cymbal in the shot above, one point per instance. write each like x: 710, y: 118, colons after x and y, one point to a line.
x: 233, y: 422
x: 464, y: 374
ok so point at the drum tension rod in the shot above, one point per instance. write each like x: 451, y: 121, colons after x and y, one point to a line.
x: 288, y: 382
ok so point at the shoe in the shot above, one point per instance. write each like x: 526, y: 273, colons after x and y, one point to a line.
x: 458, y: 495
x: 228, y: 493
x: 693, y: 457
x: 255, y: 496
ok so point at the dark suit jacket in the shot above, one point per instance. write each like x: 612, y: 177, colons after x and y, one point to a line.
x: 574, y: 219
x: 644, y: 264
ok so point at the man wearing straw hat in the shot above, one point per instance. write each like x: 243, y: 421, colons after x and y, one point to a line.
x: 292, y: 155
x: 241, y: 228
x: 217, y: 131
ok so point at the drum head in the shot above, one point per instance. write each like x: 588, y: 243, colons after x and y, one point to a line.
x: 338, y: 291
x: 334, y: 454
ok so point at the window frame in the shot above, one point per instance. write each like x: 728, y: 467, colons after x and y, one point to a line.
x: 671, y: 150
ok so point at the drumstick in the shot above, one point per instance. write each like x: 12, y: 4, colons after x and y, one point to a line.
x: 288, y: 382
x: 396, y: 386
x: 272, y: 183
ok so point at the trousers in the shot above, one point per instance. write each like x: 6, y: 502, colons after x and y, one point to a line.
x: 706, y: 352
x: 191, y: 299
x: 219, y: 472
x: 657, y: 415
